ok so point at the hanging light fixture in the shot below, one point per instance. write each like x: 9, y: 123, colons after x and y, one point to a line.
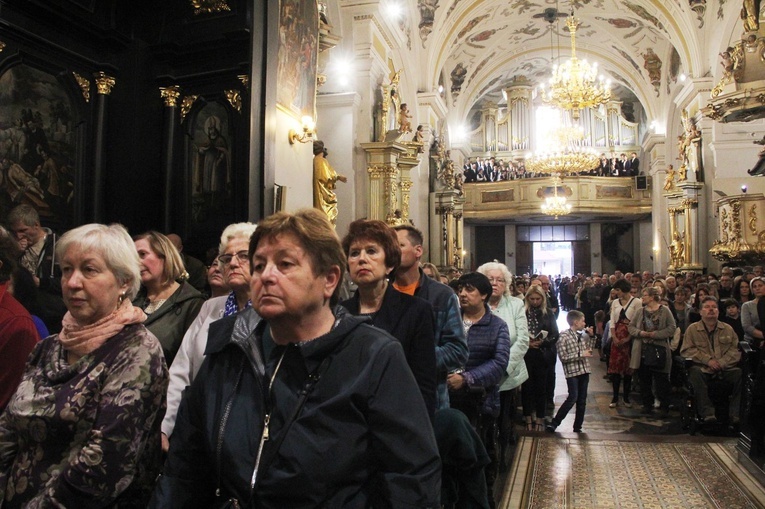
x: 575, y: 84
x: 572, y: 156
x: 556, y: 205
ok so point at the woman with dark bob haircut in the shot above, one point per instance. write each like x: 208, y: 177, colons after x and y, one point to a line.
x: 374, y: 255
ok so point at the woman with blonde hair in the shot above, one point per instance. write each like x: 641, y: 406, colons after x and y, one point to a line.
x: 170, y: 302
x: 543, y: 334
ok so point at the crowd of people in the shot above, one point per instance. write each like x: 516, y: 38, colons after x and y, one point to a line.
x: 126, y: 386
x: 494, y: 170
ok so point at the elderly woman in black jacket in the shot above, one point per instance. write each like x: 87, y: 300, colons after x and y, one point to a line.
x: 316, y: 408
x: 373, y: 256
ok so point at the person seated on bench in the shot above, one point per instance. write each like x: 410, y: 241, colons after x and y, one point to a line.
x: 713, y: 347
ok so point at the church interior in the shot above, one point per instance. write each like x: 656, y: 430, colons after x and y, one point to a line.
x: 492, y: 126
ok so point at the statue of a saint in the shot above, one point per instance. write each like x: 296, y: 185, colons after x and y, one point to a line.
x: 750, y: 13
x: 677, y: 250
x: 669, y: 180
x: 324, y: 180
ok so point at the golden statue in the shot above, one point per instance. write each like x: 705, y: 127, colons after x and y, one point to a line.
x: 669, y: 181
x: 677, y: 250
x: 324, y: 180
x: 750, y: 13
x: 682, y: 173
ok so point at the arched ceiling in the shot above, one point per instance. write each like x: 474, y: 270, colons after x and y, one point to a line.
x: 477, y: 47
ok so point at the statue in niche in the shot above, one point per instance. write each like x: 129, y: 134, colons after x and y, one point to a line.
x: 689, y: 148
x: 324, y: 182
x: 750, y: 13
x: 677, y: 250
x: 669, y: 180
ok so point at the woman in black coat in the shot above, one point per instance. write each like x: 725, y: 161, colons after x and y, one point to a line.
x: 374, y: 255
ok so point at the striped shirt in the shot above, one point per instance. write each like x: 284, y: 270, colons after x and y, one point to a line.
x: 571, y: 347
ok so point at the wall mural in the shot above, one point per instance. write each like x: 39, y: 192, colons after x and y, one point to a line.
x: 297, y: 57
x: 37, y: 145
x: 211, y: 167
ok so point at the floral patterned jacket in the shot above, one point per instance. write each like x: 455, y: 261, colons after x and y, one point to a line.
x: 85, y: 435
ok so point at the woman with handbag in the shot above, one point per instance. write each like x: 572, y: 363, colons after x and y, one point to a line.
x: 623, y: 310
x: 652, y: 329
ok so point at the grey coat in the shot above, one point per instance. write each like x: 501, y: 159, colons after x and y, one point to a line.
x: 664, y: 333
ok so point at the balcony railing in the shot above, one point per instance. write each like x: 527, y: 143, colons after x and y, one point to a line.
x: 589, y: 197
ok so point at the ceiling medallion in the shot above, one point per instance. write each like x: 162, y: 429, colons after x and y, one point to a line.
x: 556, y: 205
x: 575, y: 84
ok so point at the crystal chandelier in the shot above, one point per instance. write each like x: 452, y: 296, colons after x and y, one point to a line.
x: 572, y: 159
x: 575, y: 85
x: 556, y: 205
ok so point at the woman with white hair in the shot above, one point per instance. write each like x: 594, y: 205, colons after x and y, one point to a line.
x: 235, y: 265
x: 82, y: 429
x: 511, y: 310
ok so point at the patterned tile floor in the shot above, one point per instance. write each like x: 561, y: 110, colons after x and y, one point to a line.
x: 554, y: 472
x: 624, y: 460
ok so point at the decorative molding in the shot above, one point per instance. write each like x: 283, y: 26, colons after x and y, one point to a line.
x: 186, y: 104
x: 104, y: 83
x: 170, y: 95
x: 209, y: 6
x: 235, y: 99
x: 84, y: 85
x: 245, y: 79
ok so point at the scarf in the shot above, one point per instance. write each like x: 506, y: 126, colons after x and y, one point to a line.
x: 231, y: 306
x: 83, y: 339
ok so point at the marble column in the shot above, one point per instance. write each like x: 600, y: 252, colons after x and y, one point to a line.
x: 104, y: 85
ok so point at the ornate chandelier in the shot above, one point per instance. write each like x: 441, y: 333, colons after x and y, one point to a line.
x: 572, y: 159
x: 575, y: 85
x: 556, y: 205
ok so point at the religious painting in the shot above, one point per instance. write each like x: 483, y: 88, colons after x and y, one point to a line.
x: 210, y: 159
x: 297, y: 57
x: 37, y: 145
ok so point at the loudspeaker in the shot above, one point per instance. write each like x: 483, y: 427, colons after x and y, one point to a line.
x: 641, y: 182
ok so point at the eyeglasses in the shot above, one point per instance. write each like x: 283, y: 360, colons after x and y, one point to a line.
x: 225, y: 259
x: 499, y: 280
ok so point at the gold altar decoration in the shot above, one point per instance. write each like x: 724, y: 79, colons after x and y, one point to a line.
x: 170, y: 95
x: 84, y: 85
x: 575, y: 84
x: 556, y: 205
x: 681, y: 241
x: 209, y: 6
x: 2, y: 46
x: 104, y: 83
x: 245, y: 79
x: 186, y: 104
x: 741, y: 229
x: 235, y: 99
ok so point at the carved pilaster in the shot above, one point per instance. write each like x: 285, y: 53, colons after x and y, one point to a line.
x: 388, y: 167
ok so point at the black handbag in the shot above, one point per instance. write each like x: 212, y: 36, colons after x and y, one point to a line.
x: 653, y: 356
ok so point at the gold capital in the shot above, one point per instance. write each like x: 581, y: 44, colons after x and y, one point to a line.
x: 235, y: 99
x: 245, y: 79
x: 170, y: 95
x: 84, y: 85
x: 186, y: 104
x: 104, y: 83
x: 209, y: 6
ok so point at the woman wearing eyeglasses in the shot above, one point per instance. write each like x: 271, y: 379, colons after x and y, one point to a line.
x: 170, y: 302
x: 235, y: 266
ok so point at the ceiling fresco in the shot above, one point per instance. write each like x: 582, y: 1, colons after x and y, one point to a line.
x: 479, y: 46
